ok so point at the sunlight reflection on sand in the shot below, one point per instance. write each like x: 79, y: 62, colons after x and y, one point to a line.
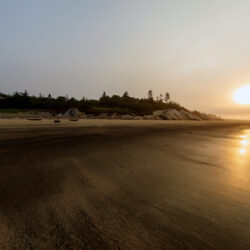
x: 244, y: 142
x: 238, y: 159
x: 242, y: 151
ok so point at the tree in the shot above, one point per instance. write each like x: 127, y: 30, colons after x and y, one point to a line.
x: 16, y: 93
x: 167, y: 97
x: 104, y: 95
x: 126, y: 98
x: 104, y: 98
x: 25, y: 93
x: 72, y: 102
x: 125, y: 95
x: 120, y: 104
x: 150, y: 95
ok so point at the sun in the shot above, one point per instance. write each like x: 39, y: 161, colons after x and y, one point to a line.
x: 242, y: 95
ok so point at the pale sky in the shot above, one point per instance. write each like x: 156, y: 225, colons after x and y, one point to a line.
x: 198, y: 50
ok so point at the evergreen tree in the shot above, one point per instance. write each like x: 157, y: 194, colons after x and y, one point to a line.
x: 104, y: 94
x: 125, y: 95
x: 167, y: 97
x: 161, y: 97
x: 150, y: 95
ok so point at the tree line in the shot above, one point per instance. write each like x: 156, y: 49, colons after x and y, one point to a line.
x: 114, y: 103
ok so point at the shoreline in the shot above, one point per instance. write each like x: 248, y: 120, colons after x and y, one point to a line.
x: 22, y: 123
x: 11, y: 129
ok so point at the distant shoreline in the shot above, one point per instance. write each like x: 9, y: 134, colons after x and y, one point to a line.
x: 102, y: 123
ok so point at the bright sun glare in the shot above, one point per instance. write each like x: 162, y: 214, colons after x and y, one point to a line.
x: 242, y: 95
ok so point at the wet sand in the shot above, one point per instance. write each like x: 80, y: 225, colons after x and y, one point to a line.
x: 124, y: 185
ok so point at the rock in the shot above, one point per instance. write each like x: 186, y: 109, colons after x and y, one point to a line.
x: 159, y: 112
x: 138, y: 118
x: 127, y: 117
x: 189, y: 116
x: 168, y: 114
x: 148, y: 117
x: 173, y: 114
x: 103, y: 116
x: 114, y: 116
x: 83, y: 116
x: 213, y: 117
x: 204, y: 116
x: 91, y: 116
x: 73, y: 112
x: 158, y: 118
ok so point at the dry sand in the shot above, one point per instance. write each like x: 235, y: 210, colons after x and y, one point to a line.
x: 124, y: 185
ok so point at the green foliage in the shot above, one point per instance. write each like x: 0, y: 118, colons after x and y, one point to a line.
x: 150, y: 95
x: 110, y: 104
x: 167, y: 97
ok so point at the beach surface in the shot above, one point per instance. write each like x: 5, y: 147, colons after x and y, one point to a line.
x: 113, y: 184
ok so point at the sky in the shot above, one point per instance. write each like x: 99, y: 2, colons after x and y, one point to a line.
x: 197, y: 50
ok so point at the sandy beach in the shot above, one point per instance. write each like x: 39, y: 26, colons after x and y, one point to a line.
x: 110, y: 184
